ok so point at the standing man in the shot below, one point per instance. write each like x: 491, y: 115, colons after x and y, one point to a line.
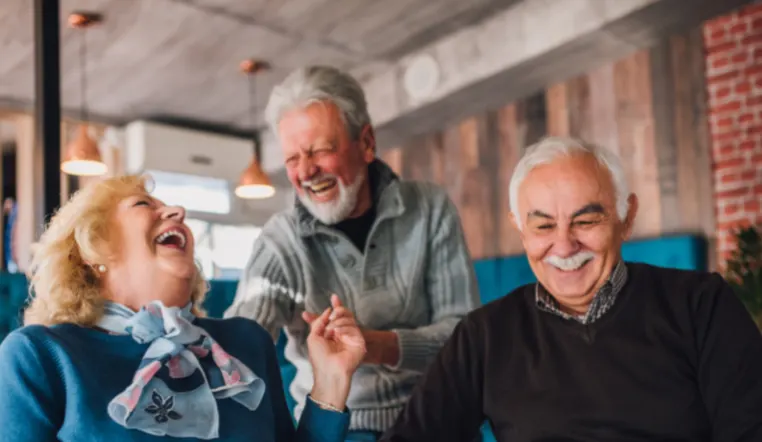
x: 394, y: 251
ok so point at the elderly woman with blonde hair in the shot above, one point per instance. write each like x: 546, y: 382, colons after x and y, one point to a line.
x: 115, y: 346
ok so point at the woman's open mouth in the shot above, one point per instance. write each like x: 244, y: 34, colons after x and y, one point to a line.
x: 174, y: 238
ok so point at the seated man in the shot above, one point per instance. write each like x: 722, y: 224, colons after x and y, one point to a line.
x: 393, y: 250
x: 599, y: 349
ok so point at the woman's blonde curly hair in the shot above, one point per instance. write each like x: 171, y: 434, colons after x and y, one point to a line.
x: 64, y: 286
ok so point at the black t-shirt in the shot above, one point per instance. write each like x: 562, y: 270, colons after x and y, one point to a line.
x: 357, y: 229
x: 677, y: 357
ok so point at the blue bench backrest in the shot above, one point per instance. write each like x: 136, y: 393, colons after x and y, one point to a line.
x: 499, y: 276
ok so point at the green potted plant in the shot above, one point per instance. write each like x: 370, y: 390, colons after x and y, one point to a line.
x: 744, y: 270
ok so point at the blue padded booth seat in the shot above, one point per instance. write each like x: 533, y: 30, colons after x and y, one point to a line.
x: 496, y: 278
x: 13, y: 294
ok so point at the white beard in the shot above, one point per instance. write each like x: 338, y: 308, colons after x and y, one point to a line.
x: 332, y: 212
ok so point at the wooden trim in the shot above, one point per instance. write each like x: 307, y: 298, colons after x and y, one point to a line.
x: 663, y: 91
x: 392, y: 156
x: 694, y: 156
x: 578, y: 107
x: 632, y: 88
x: 556, y: 105
x: 28, y: 190
x: 604, y: 127
x: 511, y: 141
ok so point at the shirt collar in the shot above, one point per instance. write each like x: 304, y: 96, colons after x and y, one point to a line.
x: 602, y: 301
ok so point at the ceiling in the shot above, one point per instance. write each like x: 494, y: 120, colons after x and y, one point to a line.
x: 177, y: 60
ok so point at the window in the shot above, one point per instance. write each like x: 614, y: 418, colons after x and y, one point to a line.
x: 195, y: 193
x: 232, y: 247
x: 203, y: 249
x: 221, y: 249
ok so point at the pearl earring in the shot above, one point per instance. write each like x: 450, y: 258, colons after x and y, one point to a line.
x: 102, y: 268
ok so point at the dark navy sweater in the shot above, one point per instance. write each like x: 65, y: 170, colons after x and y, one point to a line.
x: 677, y: 358
x: 56, y: 382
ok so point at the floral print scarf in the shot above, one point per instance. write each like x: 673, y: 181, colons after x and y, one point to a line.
x: 182, y: 374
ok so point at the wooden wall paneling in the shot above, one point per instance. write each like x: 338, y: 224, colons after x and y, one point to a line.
x: 512, y: 133
x: 67, y: 131
x: 694, y: 155
x: 392, y: 156
x: 664, y: 108
x: 415, y: 164
x: 604, y: 130
x: 578, y: 107
x: 28, y: 190
x: 450, y: 145
x: 471, y: 199
x: 407, y: 157
x: 632, y: 87
x: 488, y: 181
x: 533, y: 117
x: 557, y: 108
x: 437, y: 158
x: 648, y: 107
x: 694, y: 162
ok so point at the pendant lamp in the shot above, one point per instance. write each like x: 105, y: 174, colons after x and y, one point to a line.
x: 254, y: 182
x: 82, y: 156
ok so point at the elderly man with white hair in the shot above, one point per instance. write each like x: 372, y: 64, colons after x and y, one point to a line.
x: 393, y: 250
x: 598, y: 349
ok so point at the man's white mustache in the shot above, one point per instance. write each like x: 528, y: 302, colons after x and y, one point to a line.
x: 570, y: 262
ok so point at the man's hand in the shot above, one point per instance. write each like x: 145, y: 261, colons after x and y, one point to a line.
x: 382, y: 347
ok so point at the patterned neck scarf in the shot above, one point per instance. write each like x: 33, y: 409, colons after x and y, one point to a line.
x: 182, y: 374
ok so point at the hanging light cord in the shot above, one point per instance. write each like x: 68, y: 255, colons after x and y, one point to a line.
x: 252, y: 112
x: 83, y: 76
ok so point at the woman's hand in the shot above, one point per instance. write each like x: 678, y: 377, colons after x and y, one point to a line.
x: 336, y: 347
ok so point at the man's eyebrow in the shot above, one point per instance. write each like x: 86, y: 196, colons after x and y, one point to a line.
x: 538, y: 214
x: 315, y: 144
x: 590, y: 208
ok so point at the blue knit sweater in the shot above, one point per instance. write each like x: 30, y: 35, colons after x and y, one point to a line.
x: 55, y: 384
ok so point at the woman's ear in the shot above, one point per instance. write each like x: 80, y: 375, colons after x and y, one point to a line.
x: 96, y: 257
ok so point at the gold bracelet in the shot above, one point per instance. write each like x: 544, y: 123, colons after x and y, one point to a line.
x: 325, y: 406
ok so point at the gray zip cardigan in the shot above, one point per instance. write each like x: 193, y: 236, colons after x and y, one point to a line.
x: 415, y: 277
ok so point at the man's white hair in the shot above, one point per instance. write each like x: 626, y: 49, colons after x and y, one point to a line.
x: 316, y: 84
x: 550, y: 149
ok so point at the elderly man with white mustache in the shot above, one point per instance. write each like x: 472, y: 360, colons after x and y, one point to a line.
x: 393, y: 250
x: 598, y: 349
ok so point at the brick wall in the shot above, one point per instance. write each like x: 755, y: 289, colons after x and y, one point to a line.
x: 734, y: 78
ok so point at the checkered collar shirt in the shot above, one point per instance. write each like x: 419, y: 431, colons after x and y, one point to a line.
x: 602, y: 301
